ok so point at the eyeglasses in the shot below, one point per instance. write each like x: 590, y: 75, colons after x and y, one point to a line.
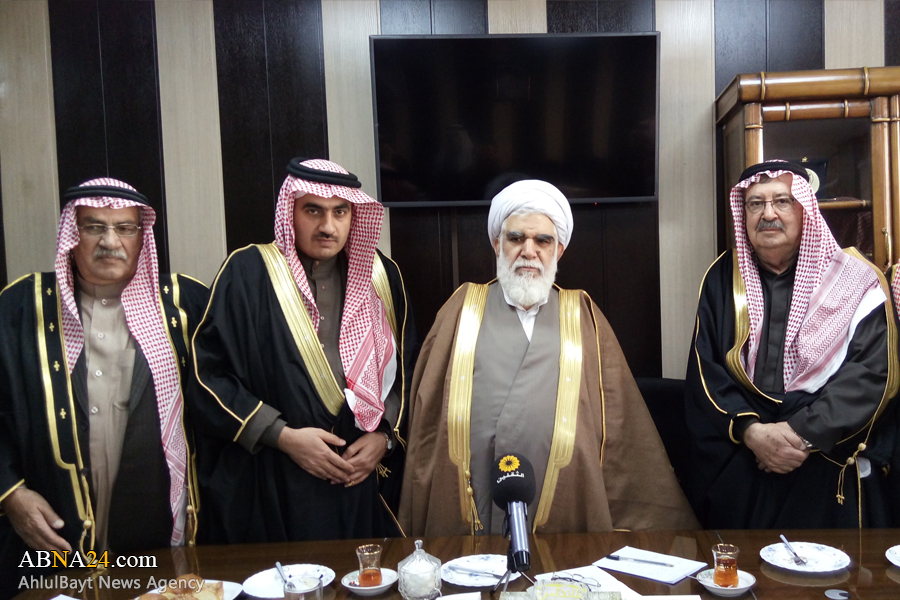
x: 576, y: 578
x: 99, y: 230
x: 782, y: 205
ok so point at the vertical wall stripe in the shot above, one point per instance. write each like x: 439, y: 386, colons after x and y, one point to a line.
x: 346, y: 27
x: 271, y: 83
x: 686, y: 178
x: 854, y: 33
x: 522, y: 16
x: 27, y: 138
x: 192, y: 147
x: 891, y: 33
x: 106, y: 97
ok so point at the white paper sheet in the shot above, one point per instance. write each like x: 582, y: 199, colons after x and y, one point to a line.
x: 607, y: 582
x: 681, y: 567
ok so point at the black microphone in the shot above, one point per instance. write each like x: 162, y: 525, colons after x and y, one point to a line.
x: 513, y: 490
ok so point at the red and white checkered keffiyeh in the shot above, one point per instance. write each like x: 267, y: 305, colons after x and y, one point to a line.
x: 366, y: 344
x: 895, y: 287
x: 146, y: 322
x: 833, y: 291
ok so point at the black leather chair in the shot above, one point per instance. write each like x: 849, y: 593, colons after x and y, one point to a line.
x: 665, y: 400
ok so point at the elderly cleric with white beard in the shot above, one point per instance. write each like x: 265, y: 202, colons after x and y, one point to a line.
x: 522, y: 366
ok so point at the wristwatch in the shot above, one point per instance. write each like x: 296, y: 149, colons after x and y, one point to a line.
x: 388, y: 442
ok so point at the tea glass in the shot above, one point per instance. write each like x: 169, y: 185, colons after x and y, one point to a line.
x: 369, y: 556
x: 726, y: 571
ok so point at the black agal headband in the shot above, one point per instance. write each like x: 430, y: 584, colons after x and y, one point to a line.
x: 297, y: 169
x: 104, y: 191
x: 774, y: 165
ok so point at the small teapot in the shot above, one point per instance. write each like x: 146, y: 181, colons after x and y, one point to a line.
x: 420, y: 575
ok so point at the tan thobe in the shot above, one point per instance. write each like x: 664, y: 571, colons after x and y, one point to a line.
x: 109, y: 352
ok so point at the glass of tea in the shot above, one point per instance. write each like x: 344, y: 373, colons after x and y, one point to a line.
x: 726, y: 572
x: 369, y: 565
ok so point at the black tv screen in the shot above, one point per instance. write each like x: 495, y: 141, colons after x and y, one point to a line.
x: 457, y: 118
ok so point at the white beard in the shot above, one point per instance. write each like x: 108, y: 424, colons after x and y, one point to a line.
x: 524, y: 289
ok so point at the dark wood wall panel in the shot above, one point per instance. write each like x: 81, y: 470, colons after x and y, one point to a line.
x: 106, y: 95
x: 792, y: 47
x: 459, y: 16
x: 421, y: 245
x: 891, y: 33
x: 247, y: 169
x: 600, y: 16
x: 437, y: 248
x: 753, y: 36
x: 271, y: 83
x: 405, y: 17
x: 3, y: 275
x: 740, y: 39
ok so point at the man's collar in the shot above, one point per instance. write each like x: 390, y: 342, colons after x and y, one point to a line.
x: 533, y: 309
x: 319, y: 268
x: 99, y: 291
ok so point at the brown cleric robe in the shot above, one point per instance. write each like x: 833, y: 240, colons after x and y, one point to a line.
x: 607, y: 468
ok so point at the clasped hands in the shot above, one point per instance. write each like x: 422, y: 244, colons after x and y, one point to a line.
x: 777, y: 447
x: 309, y: 448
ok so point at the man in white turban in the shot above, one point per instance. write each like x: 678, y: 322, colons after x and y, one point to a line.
x: 520, y: 365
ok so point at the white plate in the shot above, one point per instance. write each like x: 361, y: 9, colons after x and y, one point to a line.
x: 893, y: 555
x: 268, y: 584
x: 388, y: 577
x: 482, y: 563
x: 230, y: 589
x: 819, y: 557
x: 745, y: 582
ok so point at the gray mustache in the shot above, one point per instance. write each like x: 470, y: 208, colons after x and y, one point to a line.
x: 763, y: 224
x: 108, y: 253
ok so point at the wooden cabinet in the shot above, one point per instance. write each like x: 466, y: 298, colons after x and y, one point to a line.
x: 843, y: 124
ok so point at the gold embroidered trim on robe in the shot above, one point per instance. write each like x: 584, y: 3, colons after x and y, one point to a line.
x: 383, y: 291
x: 459, y: 410
x: 570, y: 359
x: 382, y: 286
x: 301, y: 327
x: 80, y: 489
x: 176, y: 300
x: 741, y: 330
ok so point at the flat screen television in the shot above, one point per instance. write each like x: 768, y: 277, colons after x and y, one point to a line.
x: 457, y: 118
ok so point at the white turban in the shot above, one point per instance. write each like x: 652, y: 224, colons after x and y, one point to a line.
x: 531, y: 195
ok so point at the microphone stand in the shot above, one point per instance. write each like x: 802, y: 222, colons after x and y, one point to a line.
x: 510, y: 563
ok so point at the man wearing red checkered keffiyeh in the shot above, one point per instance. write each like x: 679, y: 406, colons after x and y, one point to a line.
x: 97, y: 345
x: 305, y: 355
x: 794, y: 361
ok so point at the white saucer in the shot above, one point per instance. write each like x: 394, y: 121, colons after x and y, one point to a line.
x: 819, y: 557
x: 268, y: 583
x: 893, y: 555
x: 479, y: 563
x: 745, y: 582
x: 388, y: 577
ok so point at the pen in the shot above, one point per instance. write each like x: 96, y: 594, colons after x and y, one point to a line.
x: 639, y: 560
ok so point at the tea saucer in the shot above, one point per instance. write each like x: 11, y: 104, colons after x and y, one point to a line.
x: 350, y: 580
x: 745, y: 582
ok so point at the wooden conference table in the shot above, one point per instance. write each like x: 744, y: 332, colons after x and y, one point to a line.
x: 870, y: 575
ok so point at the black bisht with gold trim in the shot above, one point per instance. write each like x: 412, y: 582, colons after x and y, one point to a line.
x: 725, y: 486
x: 44, y: 433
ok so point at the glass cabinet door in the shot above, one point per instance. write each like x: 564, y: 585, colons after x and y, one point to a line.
x: 838, y: 152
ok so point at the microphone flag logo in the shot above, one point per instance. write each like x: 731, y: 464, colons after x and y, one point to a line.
x: 509, y: 463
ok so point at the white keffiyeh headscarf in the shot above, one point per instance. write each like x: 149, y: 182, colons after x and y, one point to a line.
x: 367, y: 344
x: 146, y: 322
x: 833, y: 291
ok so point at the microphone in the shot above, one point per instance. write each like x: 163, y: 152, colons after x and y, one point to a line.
x: 513, y: 490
